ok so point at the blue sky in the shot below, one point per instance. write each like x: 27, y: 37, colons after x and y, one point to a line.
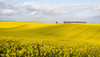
x: 50, y: 11
x: 59, y: 1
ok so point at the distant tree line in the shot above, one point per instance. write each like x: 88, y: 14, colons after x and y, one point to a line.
x: 74, y: 22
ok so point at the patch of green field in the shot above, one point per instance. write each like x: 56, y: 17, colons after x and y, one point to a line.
x: 49, y: 39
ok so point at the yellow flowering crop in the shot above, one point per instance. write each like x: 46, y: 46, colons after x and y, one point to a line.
x: 24, y: 39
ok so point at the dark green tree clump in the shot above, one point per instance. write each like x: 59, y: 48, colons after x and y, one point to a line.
x: 56, y: 22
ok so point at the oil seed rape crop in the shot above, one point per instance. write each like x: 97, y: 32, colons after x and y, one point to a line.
x: 49, y: 40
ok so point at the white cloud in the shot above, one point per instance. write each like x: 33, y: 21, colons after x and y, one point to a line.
x: 31, y: 10
x: 2, y: 1
x: 97, y: 8
x: 32, y: 13
x: 3, y: 4
x: 31, y: 5
x: 9, y: 11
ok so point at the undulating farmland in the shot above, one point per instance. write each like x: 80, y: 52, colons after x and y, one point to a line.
x: 20, y: 39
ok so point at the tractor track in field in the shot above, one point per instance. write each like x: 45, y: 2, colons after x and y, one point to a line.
x: 80, y: 33
x: 61, y: 29
x: 13, y: 27
x: 70, y: 30
x: 93, y: 34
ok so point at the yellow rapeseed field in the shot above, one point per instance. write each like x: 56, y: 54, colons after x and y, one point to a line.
x: 24, y: 39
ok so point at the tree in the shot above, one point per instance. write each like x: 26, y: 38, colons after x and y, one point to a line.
x: 56, y: 22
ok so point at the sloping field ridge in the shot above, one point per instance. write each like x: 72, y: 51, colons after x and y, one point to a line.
x: 79, y: 31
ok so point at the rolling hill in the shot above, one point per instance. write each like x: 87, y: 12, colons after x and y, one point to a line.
x: 24, y: 39
x: 82, y: 31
